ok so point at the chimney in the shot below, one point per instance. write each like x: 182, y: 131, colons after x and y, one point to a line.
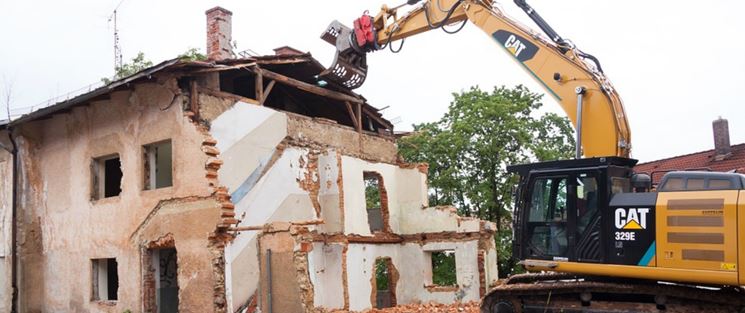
x: 287, y: 50
x: 219, y: 25
x: 722, y: 147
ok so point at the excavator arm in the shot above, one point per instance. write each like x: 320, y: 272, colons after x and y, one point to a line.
x: 573, y: 78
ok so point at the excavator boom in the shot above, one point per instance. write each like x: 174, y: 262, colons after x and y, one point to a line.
x: 571, y: 77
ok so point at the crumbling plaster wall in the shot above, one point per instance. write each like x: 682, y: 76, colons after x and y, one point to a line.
x: 415, y: 270
x: 279, y: 166
x: 284, y: 167
x: 6, y: 214
x: 62, y: 229
x: 326, y: 268
x: 407, y: 201
x: 264, y: 180
x: 406, y: 195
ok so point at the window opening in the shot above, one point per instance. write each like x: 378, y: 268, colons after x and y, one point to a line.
x: 443, y: 268
x: 158, y: 165
x: 107, y: 177
x: 373, y: 201
x: 105, y: 279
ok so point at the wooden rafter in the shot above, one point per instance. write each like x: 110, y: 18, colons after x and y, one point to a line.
x: 282, y: 79
x: 266, y: 92
x: 352, y: 116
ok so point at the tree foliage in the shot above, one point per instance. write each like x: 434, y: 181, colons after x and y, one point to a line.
x: 135, y: 65
x: 192, y: 54
x: 469, y: 148
x: 139, y: 63
x: 443, y: 268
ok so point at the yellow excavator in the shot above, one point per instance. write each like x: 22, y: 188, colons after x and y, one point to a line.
x: 593, y: 234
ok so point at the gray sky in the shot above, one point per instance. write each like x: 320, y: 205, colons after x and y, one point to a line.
x: 678, y: 65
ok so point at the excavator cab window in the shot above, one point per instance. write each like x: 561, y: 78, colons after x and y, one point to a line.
x: 564, y: 218
x: 547, y: 219
x: 587, y: 202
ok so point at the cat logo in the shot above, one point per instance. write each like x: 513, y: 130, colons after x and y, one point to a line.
x: 514, y: 45
x: 631, y: 218
x: 522, y: 49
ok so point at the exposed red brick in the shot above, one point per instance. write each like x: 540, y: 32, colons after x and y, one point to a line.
x: 306, y: 246
x: 209, y: 141
x: 210, y: 150
x: 213, y: 163
x: 219, y: 33
x: 436, y: 288
x: 230, y: 220
x: 310, y: 181
x: 482, y: 273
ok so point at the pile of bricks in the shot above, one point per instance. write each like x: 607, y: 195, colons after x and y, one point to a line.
x: 470, y: 307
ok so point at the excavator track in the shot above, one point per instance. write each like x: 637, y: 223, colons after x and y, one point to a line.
x: 558, y: 292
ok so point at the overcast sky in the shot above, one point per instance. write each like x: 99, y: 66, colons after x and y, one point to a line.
x: 678, y: 65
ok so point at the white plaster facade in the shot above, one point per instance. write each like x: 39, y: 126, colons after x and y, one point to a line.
x: 265, y: 179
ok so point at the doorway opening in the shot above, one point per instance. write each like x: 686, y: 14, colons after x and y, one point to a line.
x: 385, y: 277
x: 163, y: 279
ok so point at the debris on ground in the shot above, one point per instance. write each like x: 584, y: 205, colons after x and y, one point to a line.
x: 469, y: 307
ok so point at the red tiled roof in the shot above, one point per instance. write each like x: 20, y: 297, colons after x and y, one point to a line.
x: 699, y: 160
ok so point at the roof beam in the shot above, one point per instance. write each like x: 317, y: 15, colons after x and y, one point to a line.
x: 282, y: 79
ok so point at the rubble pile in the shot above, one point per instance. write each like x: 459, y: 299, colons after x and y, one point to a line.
x: 469, y: 307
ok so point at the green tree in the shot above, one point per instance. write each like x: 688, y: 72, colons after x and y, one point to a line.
x: 443, y: 268
x: 192, y: 54
x: 469, y: 148
x: 137, y: 64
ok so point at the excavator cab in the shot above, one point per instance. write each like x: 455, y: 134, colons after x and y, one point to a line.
x: 562, y: 208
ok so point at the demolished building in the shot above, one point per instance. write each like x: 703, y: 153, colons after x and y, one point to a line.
x: 235, y: 184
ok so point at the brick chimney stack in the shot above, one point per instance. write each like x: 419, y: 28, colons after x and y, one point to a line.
x: 722, y: 148
x: 219, y: 28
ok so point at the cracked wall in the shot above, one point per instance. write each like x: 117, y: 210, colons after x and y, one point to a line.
x: 62, y: 229
x: 235, y: 164
x: 281, y: 167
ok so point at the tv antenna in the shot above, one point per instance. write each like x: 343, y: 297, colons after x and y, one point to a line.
x: 118, y: 62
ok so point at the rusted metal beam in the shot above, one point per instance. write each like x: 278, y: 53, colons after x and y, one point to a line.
x: 266, y: 92
x: 305, y: 86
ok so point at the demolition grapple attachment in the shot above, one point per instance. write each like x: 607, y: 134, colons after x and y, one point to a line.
x: 350, y: 63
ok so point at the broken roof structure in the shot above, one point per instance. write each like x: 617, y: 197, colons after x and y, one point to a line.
x: 295, y: 74
x: 230, y: 185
